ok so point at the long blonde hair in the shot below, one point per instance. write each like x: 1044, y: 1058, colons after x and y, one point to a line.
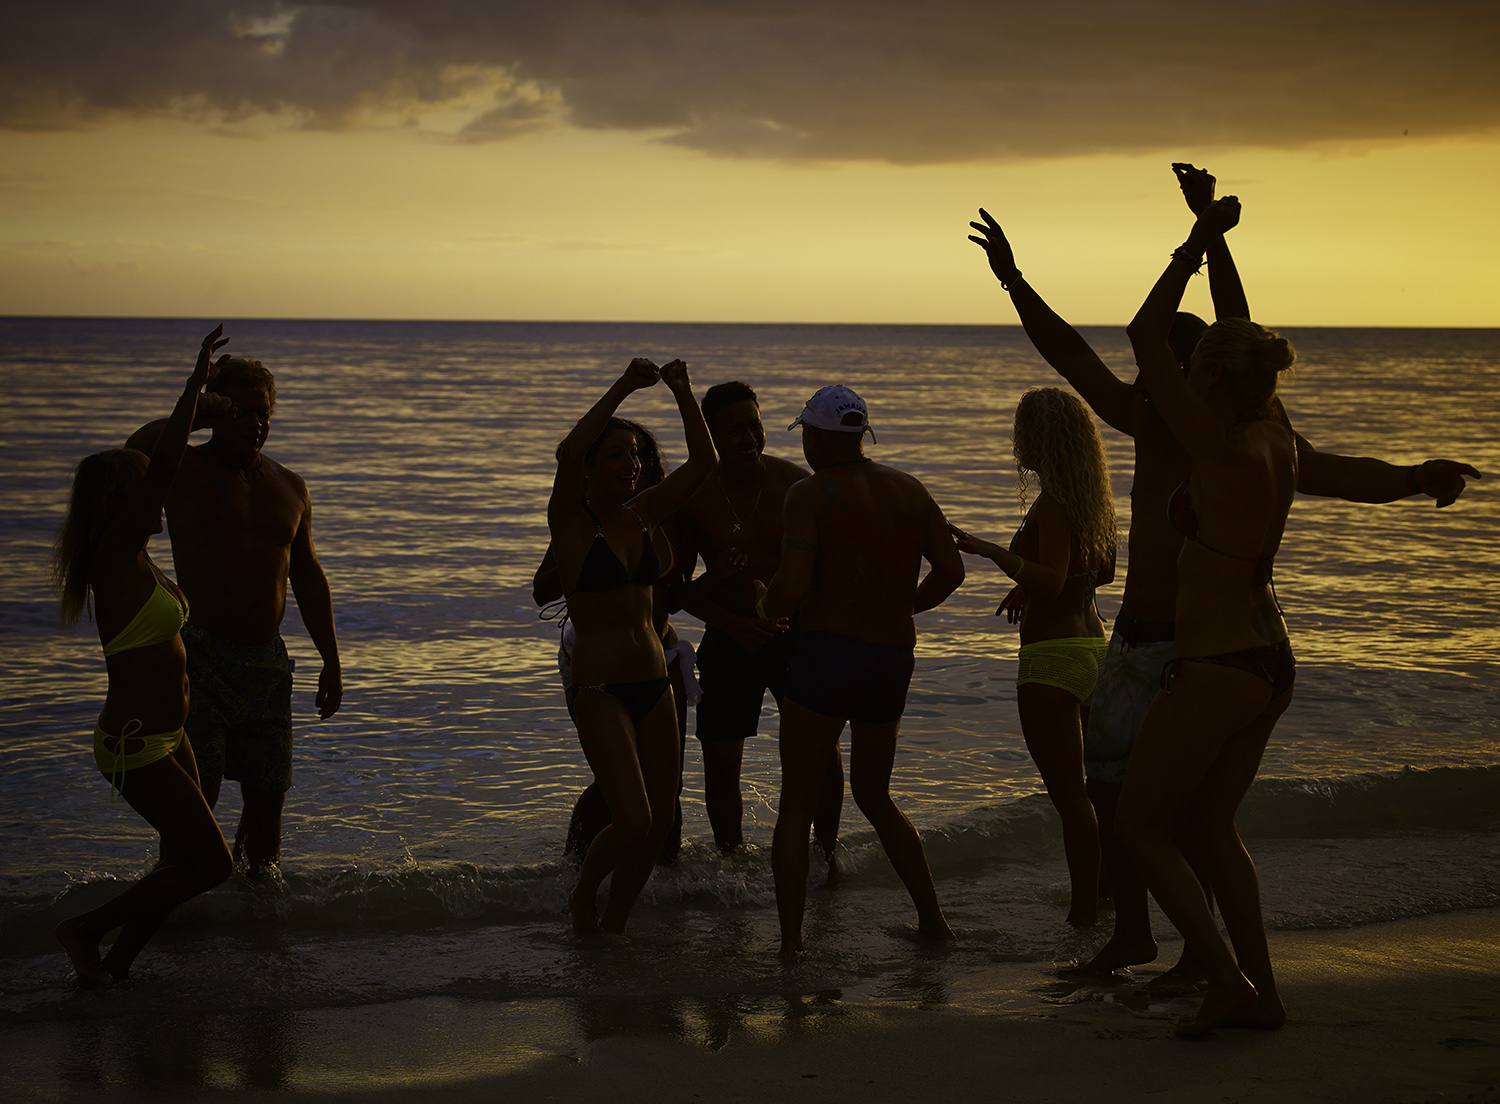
x: 112, y: 471
x: 1055, y: 440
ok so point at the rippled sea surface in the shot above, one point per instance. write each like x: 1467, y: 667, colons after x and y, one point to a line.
x: 435, y: 801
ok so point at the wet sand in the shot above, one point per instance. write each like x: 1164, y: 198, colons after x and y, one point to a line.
x: 1407, y: 1011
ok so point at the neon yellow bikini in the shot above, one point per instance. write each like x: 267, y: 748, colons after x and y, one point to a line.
x: 160, y: 618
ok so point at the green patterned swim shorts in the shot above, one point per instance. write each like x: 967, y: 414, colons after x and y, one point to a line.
x: 239, y: 710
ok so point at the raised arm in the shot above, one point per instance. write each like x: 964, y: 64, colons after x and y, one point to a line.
x: 672, y: 493
x: 568, y: 484
x: 1060, y: 344
x: 945, y: 566
x: 143, y: 513
x: 207, y: 410
x: 1223, y: 277
x: 1185, y: 411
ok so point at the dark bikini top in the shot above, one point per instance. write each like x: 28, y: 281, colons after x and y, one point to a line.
x: 1091, y: 574
x: 1183, y: 516
x: 602, y: 570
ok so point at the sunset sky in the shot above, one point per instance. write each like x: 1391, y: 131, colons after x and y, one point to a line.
x: 815, y: 160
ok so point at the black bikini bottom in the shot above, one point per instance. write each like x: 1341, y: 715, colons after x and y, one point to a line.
x: 1272, y: 662
x: 638, y: 698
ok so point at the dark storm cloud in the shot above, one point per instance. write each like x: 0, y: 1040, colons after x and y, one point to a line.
x: 896, y: 80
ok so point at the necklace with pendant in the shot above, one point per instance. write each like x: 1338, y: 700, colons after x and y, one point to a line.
x: 738, y: 525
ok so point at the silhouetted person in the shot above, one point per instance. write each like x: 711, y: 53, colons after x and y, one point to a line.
x: 241, y: 529
x: 139, y: 743
x: 1142, y: 640
x: 734, y: 523
x: 1063, y: 550
x: 607, y: 562
x: 856, y: 535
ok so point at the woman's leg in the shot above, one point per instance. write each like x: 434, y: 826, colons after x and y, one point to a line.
x: 1176, y: 755
x: 1054, y: 736
x: 659, y: 753
x: 872, y: 754
x: 194, y: 859
x: 809, y: 743
x: 609, y: 744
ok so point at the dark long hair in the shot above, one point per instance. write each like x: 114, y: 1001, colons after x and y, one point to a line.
x: 113, y: 471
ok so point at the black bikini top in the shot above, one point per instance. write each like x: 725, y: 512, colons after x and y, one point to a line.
x: 1183, y: 516
x: 602, y: 570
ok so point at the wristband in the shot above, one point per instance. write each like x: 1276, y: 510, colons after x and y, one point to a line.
x: 1411, y: 479
x: 1194, y: 257
x: 1005, y: 280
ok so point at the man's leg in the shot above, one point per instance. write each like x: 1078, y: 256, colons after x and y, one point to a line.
x: 721, y: 790
x: 258, y: 838
x: 830, y: 810
x: 808, y: 742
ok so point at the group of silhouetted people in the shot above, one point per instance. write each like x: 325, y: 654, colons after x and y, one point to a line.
x: 1146, y: 741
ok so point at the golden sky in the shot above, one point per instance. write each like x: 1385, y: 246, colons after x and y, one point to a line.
x: 730, y: 161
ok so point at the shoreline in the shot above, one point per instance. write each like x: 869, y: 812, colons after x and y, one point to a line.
x: 1402, y: 1011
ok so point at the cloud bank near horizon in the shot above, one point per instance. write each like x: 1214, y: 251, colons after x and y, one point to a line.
x: 811, y: 80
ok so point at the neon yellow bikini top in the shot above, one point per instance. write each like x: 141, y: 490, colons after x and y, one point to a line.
x: 160, y: 618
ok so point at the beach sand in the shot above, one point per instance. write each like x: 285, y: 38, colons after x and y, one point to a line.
x: 1406, y: 1011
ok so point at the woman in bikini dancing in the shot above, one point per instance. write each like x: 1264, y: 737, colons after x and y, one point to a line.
x: 1205, y: 732
x: 626, y: 719
x: 1064, y: 548
x: 139, y: 745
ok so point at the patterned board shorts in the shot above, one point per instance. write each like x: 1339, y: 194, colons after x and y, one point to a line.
x: 239, y: 710
x: 1128, y: 681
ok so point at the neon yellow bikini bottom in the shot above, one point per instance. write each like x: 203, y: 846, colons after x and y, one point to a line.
x: 118, y: 754
x: 1070, y: 663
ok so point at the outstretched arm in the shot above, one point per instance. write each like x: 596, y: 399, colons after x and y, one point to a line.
x: 1223, y: 277
x: 1060, y: 344
x: 207, y: 411
x: 1365, y: 479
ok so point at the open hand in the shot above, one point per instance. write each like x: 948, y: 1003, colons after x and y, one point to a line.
x: 1444, y: 480
x: 992, y: 240
x: 205, y: 370
x: 1197, y: 186
x: 1013, y: 605
x: 970, y: 544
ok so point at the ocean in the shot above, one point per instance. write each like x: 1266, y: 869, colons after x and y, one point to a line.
x: 422, y: 856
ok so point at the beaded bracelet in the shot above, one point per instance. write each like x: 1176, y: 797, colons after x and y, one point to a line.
x: 1194, y: 257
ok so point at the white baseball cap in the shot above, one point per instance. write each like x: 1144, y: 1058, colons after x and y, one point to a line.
x: 828, y: 407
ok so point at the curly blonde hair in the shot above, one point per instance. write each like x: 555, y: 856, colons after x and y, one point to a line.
x: 1056, y: 441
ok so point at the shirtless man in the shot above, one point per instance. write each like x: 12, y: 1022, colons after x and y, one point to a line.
x: 241, y: 529
x: 856, y: 535
x: 734, y: 523
x: 1142, y: 641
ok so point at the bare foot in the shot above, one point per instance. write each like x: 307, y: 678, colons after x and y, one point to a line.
x: 791, y: 947
x: 937, y: 929
x: 83, y: 952
x: 585, y: 919
x: 1118, y: 954
x: 1221, y: 1004
x: 835, y: 876
x: 1182, y: 980
x: 1266, y: 1014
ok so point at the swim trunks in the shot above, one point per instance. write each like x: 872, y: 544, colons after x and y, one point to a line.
x: 841, y: 676
x: 1070, y: 663
x: 1128, y: 681
x: 239, y: 710
x: 117, y: 754
x: 735, y: 682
